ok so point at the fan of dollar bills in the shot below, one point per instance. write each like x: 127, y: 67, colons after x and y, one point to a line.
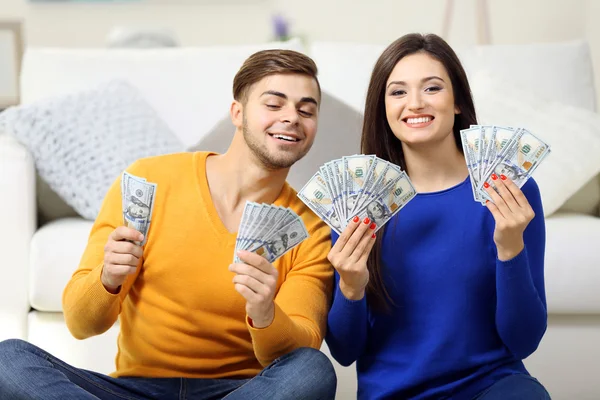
x: 138, y: 203
x: 513, y: 152
x: 269, y: 231
x: 359, y: 185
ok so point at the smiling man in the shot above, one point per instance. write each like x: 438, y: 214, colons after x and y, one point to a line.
x: 191, y: 322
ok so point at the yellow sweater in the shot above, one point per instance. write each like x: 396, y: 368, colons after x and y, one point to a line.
x: 180, y: 315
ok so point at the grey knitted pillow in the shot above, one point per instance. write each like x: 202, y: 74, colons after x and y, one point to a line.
x: 82, y: 142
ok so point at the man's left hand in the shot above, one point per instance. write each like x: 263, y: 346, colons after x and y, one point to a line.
x: 256, y: 280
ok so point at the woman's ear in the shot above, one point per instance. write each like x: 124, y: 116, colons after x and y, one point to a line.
x: 456, y: 110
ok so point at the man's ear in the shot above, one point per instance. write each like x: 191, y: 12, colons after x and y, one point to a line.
x: 236, y: 112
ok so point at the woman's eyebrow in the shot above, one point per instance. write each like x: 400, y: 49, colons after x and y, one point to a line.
x: 428, y: 78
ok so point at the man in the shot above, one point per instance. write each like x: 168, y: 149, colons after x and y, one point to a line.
x: 193, y: 325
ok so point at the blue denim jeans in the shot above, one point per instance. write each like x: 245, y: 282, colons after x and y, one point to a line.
x: 28, y: 372
x: 515, y: 387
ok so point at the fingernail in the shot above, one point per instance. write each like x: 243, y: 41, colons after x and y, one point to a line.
x: 503, y: 177
x: 486, y: 185
x: 373, y: 225
x: 355, y: 219
x: 494, y: 176
x: 487, y: 201
x: 367, y: 220
x: 373, y: 236
x: 141, y: 237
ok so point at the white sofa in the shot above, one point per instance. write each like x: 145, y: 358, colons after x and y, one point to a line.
x: 190, y: 89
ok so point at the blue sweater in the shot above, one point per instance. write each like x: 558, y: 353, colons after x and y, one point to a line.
x: 463, y: 319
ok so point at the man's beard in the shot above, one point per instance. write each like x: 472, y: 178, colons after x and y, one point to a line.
x: 272, y: 162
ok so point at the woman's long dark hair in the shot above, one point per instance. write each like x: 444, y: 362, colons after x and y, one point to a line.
x: 378, y: 138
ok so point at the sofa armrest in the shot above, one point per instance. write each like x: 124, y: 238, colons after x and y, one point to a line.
x: 17, y: 226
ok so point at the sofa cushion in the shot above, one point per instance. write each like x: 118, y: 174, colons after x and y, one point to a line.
x: 49, y: 332
x: 572, y: 264
x: 338, y: 135
x: 585, y: 201
x: 82, y: 142
x: 56, y: 251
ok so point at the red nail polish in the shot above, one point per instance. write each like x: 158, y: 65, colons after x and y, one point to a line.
x: 494, y: 176
x: 486, y: 185
x: 487, y: 201
x: 355, y: 219
x: 373, y: 236
x: 503, y: 177
x: 373, y: 225
x: 367, y: 220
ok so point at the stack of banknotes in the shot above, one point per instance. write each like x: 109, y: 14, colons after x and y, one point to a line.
x: 138, y: 203
x: 358, y: 185
x: 513, y: 152
x: 269, y: 231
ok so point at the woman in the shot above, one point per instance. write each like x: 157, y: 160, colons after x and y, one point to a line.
x: 448, y: 298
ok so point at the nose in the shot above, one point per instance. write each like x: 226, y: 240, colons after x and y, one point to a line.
x: 415, y: 101
x: 289, y: 116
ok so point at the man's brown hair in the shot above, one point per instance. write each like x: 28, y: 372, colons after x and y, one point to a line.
x: 269, y: 62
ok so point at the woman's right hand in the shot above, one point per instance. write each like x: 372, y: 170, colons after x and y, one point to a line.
x: 349, y: 257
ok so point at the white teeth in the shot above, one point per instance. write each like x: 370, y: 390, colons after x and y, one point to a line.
x: 284, y: 137
x: 418, y: 120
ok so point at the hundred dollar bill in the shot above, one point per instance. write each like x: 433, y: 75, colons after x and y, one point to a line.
x: 391, y: 200
x: 282, y: 241
x: 356, y: 167
x: 377, y: 169
x: 269, y: 227
x: 336, y: 166
x: 316, y: 196
x: 471, y: 140
x: 390, y: 174
x: 138, y: 203
x: 518, y: 159
x: 253, y: 213
x: 264, y: 224
x: 501, y: 137
x: 243, y: 223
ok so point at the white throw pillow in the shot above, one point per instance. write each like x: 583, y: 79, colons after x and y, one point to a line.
x: 82, y: 142
x: 573, y: 134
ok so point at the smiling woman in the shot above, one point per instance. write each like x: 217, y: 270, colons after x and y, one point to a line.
x: 449, y: 298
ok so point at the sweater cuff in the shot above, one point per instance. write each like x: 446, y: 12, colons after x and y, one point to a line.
x: 97, y: 293
x: 516, y: 267
x: 351, y: 306
x: 276, y: 334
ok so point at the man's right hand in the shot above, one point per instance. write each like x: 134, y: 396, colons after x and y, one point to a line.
x: 349, y: 257
x: 121, y: 257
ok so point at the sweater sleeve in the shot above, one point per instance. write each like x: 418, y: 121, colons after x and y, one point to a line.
x: 346, y: 325
x: 89, y: 309
x: 521, y: 315
x: 302, y: 301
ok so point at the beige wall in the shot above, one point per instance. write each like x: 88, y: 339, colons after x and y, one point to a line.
x: 204, y: 22
x: 198, y: 22
x: 593, y: 36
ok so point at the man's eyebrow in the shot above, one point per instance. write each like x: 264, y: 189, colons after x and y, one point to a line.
x: 309, y: 100
x: 422, y: 81
x: 284, y: 96
x: 274, y: 93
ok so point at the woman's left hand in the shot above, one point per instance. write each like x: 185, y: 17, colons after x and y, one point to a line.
x: 512, y: 213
